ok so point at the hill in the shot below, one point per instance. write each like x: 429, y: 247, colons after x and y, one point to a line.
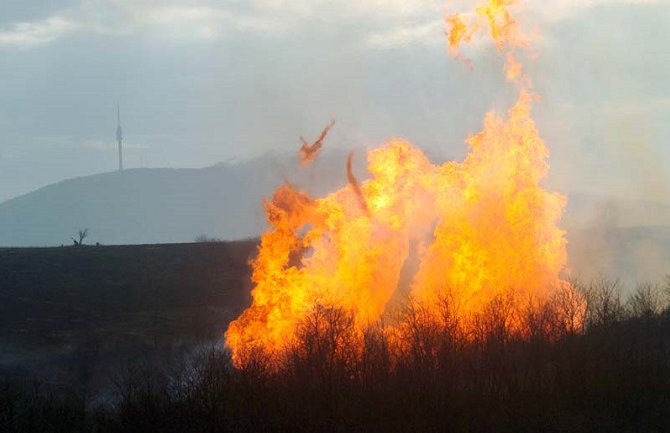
x: 162, y: 205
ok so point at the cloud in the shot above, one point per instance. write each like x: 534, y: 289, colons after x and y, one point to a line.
x: 178, y: 20
x: 553, y: 11
x: 33, y: 34
x: 350, y: 9
x: 189, y: 21
x: 423, y: 33
x: 383, y: 23
x: 407, y: 20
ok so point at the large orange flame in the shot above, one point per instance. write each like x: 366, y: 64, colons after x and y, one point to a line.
x: 478, y: 228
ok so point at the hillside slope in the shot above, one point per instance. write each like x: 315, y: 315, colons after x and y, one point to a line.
x: 113, y: 301
x: 161, y: 205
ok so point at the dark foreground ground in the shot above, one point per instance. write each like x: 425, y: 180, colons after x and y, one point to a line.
x: 127, y: 339
x: 76, y: 312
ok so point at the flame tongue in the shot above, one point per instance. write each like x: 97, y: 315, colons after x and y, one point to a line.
x: 484, y: 226
x: 499, y: 228
x: 308, y: 152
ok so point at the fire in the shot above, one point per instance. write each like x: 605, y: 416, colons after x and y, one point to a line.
x: 308, y: 152
x: 503, y: 29
x: 477, y: 229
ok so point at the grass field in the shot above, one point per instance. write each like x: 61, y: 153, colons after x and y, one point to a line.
x: 67, y: 306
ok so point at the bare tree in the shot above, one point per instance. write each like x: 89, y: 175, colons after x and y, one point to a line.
x: 570, y: 306
x: 604, y: 303
x: 666, y: 292
x: 646, y: 301
x: 81, y: 234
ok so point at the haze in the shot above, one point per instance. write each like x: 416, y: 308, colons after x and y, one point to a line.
x: 204, y: 82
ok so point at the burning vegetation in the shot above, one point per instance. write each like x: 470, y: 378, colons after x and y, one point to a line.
x: 471, y: 232
x: 426, y: 298
x: 309, y: 152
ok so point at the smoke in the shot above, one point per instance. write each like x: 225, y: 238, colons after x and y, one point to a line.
x: 609, y: 238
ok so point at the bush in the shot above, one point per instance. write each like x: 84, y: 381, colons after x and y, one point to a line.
x: 572, y: 363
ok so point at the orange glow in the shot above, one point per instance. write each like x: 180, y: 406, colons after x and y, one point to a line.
x: 503, y: 30
x: 478, y: 229
x: 308, y: 152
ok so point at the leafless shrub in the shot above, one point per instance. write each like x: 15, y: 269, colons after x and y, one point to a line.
x: 666, y: 292
x: 495, y: 322
x: 570, y: 306
x: 376, y: 362
x: 604, y: 304
x: 325, y: 348
x: 522, y: 365
x: 539, y: 320
x: 646, y: 301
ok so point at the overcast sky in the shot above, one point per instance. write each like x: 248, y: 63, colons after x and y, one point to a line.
x: 201, y: 82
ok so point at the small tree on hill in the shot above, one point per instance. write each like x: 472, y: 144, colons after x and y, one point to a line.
x: 81, y: 234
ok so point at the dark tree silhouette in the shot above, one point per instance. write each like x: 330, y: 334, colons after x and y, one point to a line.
x: 81, y: 234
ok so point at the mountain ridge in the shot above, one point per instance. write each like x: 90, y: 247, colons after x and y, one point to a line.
x: 161, y: 205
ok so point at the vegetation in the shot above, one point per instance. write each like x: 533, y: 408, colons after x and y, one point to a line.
x: 81, y: 235
x: 206, y: 239
x: 608, y: 372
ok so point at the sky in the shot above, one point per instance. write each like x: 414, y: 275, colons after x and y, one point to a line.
x: 202, y: 82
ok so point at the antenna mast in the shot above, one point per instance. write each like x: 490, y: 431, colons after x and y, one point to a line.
x: 119, y: 136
